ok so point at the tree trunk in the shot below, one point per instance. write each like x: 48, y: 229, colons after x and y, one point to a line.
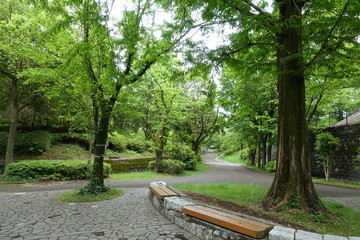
x: 264, y: 140
x: 9, y: 157
x: 252, y: 155
x: 269, y: 150
x: 259, y: 155
x: 292, y: 182
x: 100, y: 147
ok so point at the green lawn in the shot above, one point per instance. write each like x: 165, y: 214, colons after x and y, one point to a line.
x: 343, y: 221
x: 148, y: 175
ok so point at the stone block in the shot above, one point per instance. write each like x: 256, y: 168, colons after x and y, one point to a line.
x: 282, y: 233
x: 354, y: 238
x: 303, y: 235
x: 176, y: 203
x: 333, y: 237
x: 156, y: 184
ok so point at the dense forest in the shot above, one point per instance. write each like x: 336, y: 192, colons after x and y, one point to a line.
x: 112, y: 71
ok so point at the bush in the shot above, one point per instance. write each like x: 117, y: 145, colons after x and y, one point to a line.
x: 33, y: 143
x: 55, y: 169
x: 75, y: 138
x: 117, y: 142
x: 271, y: 166
x: 169, y: 166
x: 184, y: 154
x: 136, y: 145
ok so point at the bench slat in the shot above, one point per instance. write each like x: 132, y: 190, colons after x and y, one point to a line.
x: 233, y: 222
x: 162, y: 191
x: 232, y: 216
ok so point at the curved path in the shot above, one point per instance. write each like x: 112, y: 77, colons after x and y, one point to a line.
x: 30, y: 211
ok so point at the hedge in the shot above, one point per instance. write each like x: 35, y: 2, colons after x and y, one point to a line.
x: 55, y: 169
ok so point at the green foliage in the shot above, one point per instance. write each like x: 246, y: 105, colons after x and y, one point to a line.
x: 33, y: 143
x: 136, y: 145
x: 271, y: 166
x: 75, y: 138
x: 326, y: 145
x: 184, y: 154
x: 93, y: 188
x: 117, y: 142
x: 55, y: 169
x: 169, y: 166
x: 121, y: 143
x: 229, y: 143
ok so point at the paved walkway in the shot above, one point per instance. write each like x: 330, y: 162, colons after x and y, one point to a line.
x: 37, y: 215
x: 31, y: 211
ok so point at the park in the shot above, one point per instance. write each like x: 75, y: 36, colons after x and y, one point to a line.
x: 179, y: 119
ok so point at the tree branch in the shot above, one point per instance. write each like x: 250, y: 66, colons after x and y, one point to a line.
x: 328, y: 36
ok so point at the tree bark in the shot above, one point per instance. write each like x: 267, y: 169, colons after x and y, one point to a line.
x: 9, y: 157
x: 292, y: 182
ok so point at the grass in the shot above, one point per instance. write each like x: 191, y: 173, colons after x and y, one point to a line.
x: 148, y: 175
x: 74, y: 196
x: 344, y: 221
x: 233, y: 158
x: 334, y: 182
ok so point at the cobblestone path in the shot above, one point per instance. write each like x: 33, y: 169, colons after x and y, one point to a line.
x: 38, y: 215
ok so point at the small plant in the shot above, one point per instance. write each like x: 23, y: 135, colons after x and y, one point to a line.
x: 316, y: 217
x: 326, y: 145
x: 294, y: 203
x: 271, y: 166
x: 93, y: 188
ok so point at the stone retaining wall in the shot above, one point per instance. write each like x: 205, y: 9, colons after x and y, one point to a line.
x: 130, y: 164
x: 344, y: 167
x: 171, y: 208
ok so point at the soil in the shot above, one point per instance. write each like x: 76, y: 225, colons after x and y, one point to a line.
x: 243, y: 210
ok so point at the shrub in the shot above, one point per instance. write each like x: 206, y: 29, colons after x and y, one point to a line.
x: 169, y: 166
x: 117, y: 142
x: 55, y: 169
x: 136, y: 145
x: 75, y: 138
x: 271, y: 166
x: 184, y: 154
x: 33, y: 143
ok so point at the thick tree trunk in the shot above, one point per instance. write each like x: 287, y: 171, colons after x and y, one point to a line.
x: 292, y: 182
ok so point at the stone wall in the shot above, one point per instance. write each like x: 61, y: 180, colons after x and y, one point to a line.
x: 130, y: 164
x: 344, y: 158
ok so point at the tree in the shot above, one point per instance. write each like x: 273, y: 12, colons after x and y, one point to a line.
x: 20, y: 53
x: 199, y: 119
x: 326, y: 145
x: 103, y: 60
x: 285, y: 30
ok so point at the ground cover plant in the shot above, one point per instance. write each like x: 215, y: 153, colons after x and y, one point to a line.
x: 247, y: 198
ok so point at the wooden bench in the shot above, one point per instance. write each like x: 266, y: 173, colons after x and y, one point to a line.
x: 230, y: 221
x: 162, y: 192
